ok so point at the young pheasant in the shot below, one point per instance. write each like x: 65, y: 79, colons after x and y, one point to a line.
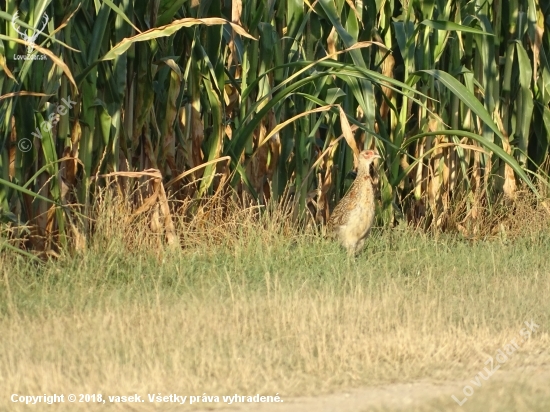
x: 353, y: 217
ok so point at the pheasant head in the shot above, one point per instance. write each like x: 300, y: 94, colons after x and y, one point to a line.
x: 365, y: 158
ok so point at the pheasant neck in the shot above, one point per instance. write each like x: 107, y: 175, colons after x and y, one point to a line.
x: 364, y: 173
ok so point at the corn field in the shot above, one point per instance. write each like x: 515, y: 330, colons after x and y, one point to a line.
x: 269, y: 99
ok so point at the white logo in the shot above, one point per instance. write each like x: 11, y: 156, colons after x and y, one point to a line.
x: 29, y: 38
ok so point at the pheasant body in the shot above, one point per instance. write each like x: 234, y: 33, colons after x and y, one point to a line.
x: 353, y: 217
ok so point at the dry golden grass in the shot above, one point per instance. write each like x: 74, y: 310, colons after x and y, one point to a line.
x: 252, y: 304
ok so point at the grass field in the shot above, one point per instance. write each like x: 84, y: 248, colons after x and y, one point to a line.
x: 260, y: 308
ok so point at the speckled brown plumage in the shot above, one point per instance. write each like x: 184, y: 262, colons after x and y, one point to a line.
x: 353, y: 217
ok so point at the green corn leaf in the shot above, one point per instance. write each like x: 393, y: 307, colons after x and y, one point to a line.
x: 451, y: 26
